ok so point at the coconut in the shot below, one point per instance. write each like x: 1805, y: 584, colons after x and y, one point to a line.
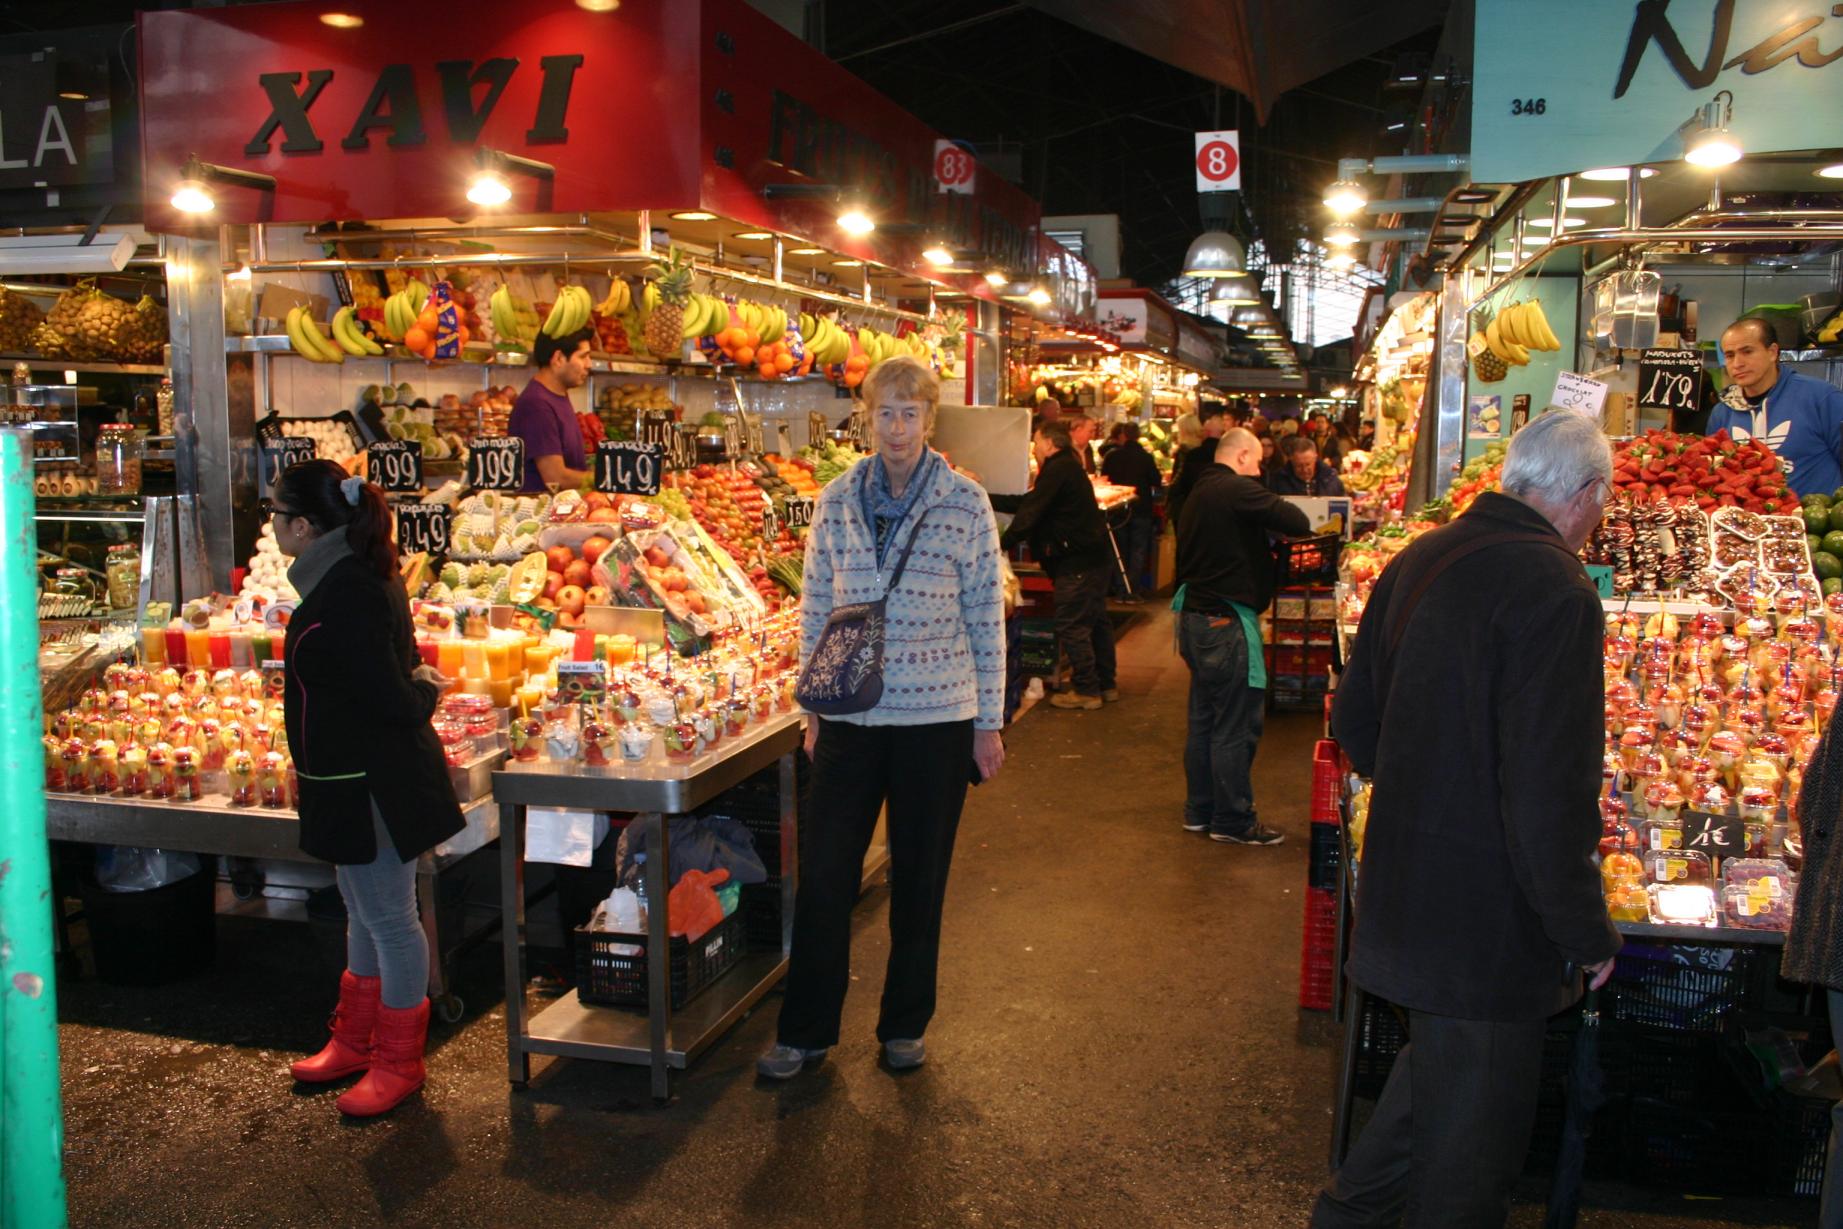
x: 18, y: 317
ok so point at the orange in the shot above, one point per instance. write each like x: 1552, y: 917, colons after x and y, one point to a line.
x: 783, y: 362
x: 428, y: 320
x: 417, y: 338
x: 745, y: 356
x: 751, y: 339
x: 768, y: 371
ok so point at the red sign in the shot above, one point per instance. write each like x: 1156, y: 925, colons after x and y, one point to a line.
x: 1218, y: 161
x: 953, y: 167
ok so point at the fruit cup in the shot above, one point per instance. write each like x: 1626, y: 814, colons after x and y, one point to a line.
x: 681, y: 740
x: 527, y: 738
x: 709, y: 727
x: 1633, y: 745
x: 240, y: 768
x: 735, y: 717
x: 187, y: 783
x: 105, y: 767
x: 636, y: 741
x: 272, y: 780
x: 54, y: 764
x: 160, y: 771
x: 210, y: 744
x: 598, y: 744
x: 134, y: 772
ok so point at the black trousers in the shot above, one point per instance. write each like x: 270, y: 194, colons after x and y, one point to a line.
x: 1450, y: 1132
x: 921, y: 772
x: 1083, y: 628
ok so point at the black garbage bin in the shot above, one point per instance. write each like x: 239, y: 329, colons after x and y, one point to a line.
x: 155, y: 936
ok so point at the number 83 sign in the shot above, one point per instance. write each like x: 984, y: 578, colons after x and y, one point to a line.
x: 1219, y: 161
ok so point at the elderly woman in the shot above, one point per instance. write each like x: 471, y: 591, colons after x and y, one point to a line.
x: 935, y: 726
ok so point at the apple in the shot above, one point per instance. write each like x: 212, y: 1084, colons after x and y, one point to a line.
x: 657, y: 556
x: 598, y: 499
x: 595, y: 547
x: 557, y: 558
x: 577, y: 574
x: 553, y: 581
x: 571, y: 599
x: 695, y: 603
x: 596, y: 595
x: 566, y: 619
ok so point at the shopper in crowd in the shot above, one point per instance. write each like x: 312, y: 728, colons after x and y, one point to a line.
x: 1115, y: 437
x: 1226, y: 578
x: 1131, y: 465
x: 1268, y: 458
x: 934, y: 727
x: 1213, y: 417
x: 1300, y: 472
x: 1081, y: 439
x: 1473, y: 700
x: 1067, y: 533
x: 374, y: 786
x: 1799, y: 418
x: 1814, y: 944
x: 544, y: 418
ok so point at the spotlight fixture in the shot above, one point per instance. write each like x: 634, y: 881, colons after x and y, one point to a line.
x: 1710, y: 143
x: 492, y: 181
x: 342, y: 21
x: 1341, y: 261
x: 1549, y: 222
x: 854, y: 221
x: 753, y: 234
x: 1590, y: 202
x: 1345, y: 197
x: 693, y: 215
x: 997, y: 277
x: 1214, y: 253
x: 192, y: 194
x: 598, y: 6
x: 1833, y: 171
x: 1340, y: 392
x: 847, y: 263
x: 1238, y: 290
x: 1341, y: 235
x: 1038, y: 297
x: 1615, y: 174
x: 806, y: 251
x: 938, y: 256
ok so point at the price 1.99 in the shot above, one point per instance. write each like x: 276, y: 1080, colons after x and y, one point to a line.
x: 423, y: 527
x: 395, y: 465
x: 623, y: 467
x: 496, y: 463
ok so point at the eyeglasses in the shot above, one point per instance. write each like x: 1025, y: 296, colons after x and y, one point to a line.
x: 275, y: 512
x: 1594, y: 482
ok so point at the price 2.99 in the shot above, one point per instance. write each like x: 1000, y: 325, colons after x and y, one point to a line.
x: 396, y: 465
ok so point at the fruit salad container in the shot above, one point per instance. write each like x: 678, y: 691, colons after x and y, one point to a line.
x: 1679, y: 866
x: 1676, y: 904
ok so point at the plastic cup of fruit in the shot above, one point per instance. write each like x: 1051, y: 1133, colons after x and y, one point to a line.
x: 681, y: 741
x: 597, y: 742
x: 709, y: 728
x: 527, y: 738
x: 636, y: 742
x: 735, y: 717
x: 628, y: 707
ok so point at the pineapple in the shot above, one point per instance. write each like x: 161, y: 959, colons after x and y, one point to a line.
x: 665, y: 327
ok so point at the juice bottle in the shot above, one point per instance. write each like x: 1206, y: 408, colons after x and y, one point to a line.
x: 198, y: 646
x: 218, y: 645
x: 473, y: 654
x: 262, y: 646
x: 153, y: 646
x: 426, y: 649
x: 620, y: 649
x: 499, y: 660
x: 175, y: 637
x: 241, y: 649
x: 449, y: 657
x: 501, y: 691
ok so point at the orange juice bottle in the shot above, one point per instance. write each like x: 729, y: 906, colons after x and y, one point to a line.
x: 501, y: 691
x: 153, y: 646
x: 449, y: 657
x: 620, y: 649
x: 473, y: 655
x: 499, y: 660
x: 198, y: 647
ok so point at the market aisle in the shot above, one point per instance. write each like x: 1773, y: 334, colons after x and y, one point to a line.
x: 1118, y: 1044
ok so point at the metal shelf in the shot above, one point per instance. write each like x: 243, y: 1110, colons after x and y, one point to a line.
x: 279, y: 344
x: 55, y: 364
x: 568, y: 1029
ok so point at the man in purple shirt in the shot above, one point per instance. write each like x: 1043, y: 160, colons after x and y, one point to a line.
x: 544, y: 418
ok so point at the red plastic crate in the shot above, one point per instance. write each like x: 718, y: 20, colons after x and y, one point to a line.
x: 1317, y: 949
x: 1327, y: 783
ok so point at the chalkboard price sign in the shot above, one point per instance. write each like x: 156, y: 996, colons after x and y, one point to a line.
x: 496, y: 463
x: 799, y: 513
x: 1719, y: 836
x: 423, y: 527
x: 395, y: 466
x: 623, y: 467
x: 1670, y: 380
x: 285, y: 451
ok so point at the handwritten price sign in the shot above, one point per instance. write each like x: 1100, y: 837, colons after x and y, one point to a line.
x: 423, y: 527
x: 283, y: 452
x: 1579, y: 395
x: 496, y: 463
x: 395, y: 466
x: 1670, y: 380
x: 623, y: 467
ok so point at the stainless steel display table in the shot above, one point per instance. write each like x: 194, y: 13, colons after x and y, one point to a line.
x: 661, y: 1038
x: 213, y: 827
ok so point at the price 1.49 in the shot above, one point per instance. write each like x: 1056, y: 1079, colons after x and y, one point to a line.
x: 396, y: 465
x: 423, y: 527
x: 623, y: 467
x: 496, y: 463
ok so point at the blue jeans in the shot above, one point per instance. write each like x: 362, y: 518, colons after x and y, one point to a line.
x: 384, y: 936
x: 1135, y: 539
x: 1225, y: 724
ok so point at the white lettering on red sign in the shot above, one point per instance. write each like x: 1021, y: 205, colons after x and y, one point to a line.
x: 953, y: 168
x: 1219, y: 161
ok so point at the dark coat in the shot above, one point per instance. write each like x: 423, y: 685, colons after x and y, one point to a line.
x: 1224, y: 541
x: 1281, y: 480
x: 358, y: 724
x: 1131, y: 465
x: 1188, y: 466
x: 1814, y: 945
x: 1478, y: 896
x: 1058, y: 517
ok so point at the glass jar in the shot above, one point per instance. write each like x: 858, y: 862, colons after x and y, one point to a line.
x: 74, y: 583
x: 119, y: 449
x: 123, y: 571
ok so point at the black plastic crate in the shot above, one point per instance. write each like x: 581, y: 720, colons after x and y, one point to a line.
x: 1326, y: 857
x: 1381, y: 1034
x: 1778, y: 1150
x: 1801, y: 1141
x: 761, y: 915
x: 607, y: 978
x: 1308, y: 561
x: 1685, y: 987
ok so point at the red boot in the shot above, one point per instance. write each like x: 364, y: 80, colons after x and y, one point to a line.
x: 349, y: 1050
x: 396, y: 1062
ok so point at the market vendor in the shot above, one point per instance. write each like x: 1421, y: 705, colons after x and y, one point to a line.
x: 1799, y: 418
x: 1300, y: 472
x: 544, y: 418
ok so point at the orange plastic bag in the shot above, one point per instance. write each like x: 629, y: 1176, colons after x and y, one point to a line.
x: 693, y: 905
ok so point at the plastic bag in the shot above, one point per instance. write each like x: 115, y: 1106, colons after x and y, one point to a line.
x: 701, y: 843
x: 130, y: 868
x: 693, y: 906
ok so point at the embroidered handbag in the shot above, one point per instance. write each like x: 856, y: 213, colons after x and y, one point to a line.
x: 845, y: 672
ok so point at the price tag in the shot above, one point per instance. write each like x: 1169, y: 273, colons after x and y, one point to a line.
x: 623, y: 467
x: 771, y: 524
x: 1670, y: 380
x: 1475, y: 345
x: 496, y: 463
x: 816, y: 428
x: 1578, y: 394
x: 1602, y: 577
x: 799, y: 513
x: 282, y: 452
x: 423, y: 527
x: 395, y: 466
x: 1719, y: 836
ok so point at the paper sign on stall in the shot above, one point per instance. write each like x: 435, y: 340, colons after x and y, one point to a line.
x: 1579, y: 394
x: 566, y: 837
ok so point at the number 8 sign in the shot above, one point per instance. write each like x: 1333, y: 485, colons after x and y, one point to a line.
x: 1219, y: 161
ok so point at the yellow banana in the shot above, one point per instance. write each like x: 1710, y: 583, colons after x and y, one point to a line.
x: 1494, y: 341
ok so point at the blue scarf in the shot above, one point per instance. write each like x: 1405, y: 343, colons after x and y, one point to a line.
x: 883, y: 512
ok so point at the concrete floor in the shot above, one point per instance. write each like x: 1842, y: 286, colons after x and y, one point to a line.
x: 1117, y: 1044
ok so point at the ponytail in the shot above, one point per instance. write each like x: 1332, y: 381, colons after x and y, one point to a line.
x: 330, y: 499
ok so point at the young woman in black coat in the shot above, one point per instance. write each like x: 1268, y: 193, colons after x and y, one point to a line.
x: 374, y: 787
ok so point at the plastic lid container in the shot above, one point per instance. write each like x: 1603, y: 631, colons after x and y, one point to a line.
x: 1675, y: 904
x: 1679, y: 866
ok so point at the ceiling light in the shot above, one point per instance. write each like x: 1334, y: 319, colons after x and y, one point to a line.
x: 1833, y: 171
x: 847, y: 264
x: 1237, y: 290
x: 1214, y: 253
x: 1590, y: 202
x: 1340, y: 392
x: 938, y: 256
x: 1038, y: 296
x: 855, y: 221
x: 342, y: 21
x: 74, y: 95
x: 1608, y: 174
x: 1710, y: 143
x: 192, y: 194
x: 1340, y: 261
x: 694, y: 215
x: 1341, y: 235
x: 753, y: 234
x: 1345, y: 197
x: 1549, y: 222
x: 489, y: 188
x: 598, y: 6
x: 997, y: 277
x: 806, y: 251
x: 67, y: 253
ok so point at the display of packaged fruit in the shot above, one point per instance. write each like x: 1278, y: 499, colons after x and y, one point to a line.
x: 1679, y: 904
x: 1673, y: 866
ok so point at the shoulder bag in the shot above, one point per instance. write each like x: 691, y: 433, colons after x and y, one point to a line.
x: 845, y: 673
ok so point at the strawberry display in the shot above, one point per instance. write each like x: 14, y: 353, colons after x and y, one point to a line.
x: 1713, y: 471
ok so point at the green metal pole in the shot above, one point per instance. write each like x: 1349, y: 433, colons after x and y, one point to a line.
x: 31, y: 1114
